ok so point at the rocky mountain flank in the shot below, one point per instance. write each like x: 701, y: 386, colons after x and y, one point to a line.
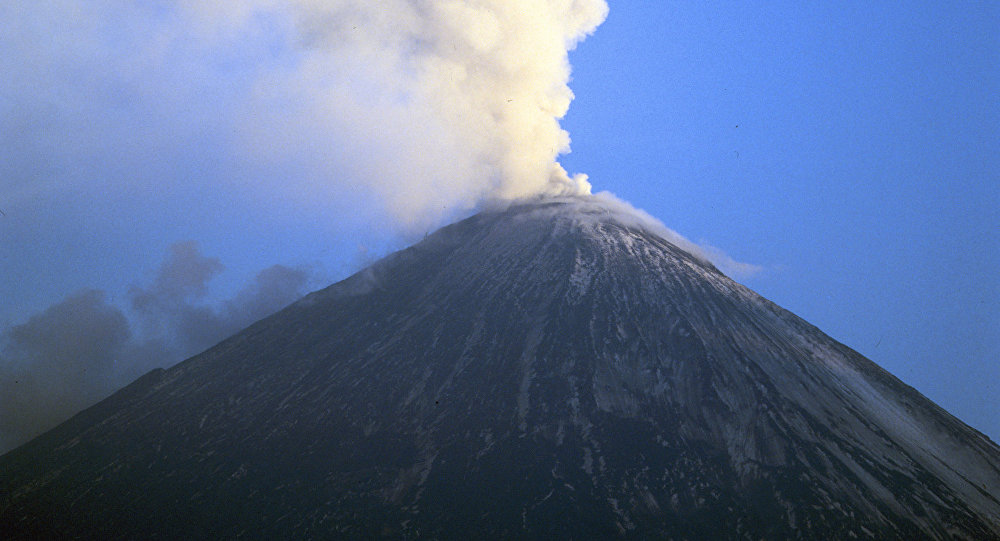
x: 554, y: 370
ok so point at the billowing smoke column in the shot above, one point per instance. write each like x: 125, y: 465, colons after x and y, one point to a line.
x: 431, y: 104
x: 145, y: 108
x: 421, y: 105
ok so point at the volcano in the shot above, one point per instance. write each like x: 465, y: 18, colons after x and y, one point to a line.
x: 562, y: 369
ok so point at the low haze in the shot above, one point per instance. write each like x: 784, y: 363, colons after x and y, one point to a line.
x: 168, y: 174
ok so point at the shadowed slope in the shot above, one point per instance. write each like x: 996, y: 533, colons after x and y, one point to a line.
x: 552, y: 370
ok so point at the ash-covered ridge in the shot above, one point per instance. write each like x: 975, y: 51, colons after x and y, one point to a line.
x: 551, y: 370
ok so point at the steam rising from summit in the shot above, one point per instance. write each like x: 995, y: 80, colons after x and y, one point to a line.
x: 127, y: 125
x: 419, y: 105
x: 430, y: 104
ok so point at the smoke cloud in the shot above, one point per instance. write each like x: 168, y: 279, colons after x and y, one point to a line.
x: 126, y: 125
x: 58, y: 362
x: 171, y: 310
x: 82, y: 348
x: 430, y: 104
x: 424, y: 106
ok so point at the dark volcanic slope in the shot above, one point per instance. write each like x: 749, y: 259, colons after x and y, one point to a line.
x: 551, y: 371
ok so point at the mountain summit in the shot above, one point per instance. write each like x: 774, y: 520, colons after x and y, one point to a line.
x: 553, y: 370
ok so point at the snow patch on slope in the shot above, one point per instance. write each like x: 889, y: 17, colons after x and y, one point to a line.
x: 592, y: 210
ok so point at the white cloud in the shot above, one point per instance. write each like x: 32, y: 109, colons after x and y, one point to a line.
x: 424, y: 104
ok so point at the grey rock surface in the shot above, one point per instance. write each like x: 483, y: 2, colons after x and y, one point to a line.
x: 550, y: 371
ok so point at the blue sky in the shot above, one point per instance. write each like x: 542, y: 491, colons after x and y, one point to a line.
x: 851, y: 151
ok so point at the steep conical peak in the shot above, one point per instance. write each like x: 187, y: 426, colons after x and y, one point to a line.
x: 560, y: 368
x: 493, y: 235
